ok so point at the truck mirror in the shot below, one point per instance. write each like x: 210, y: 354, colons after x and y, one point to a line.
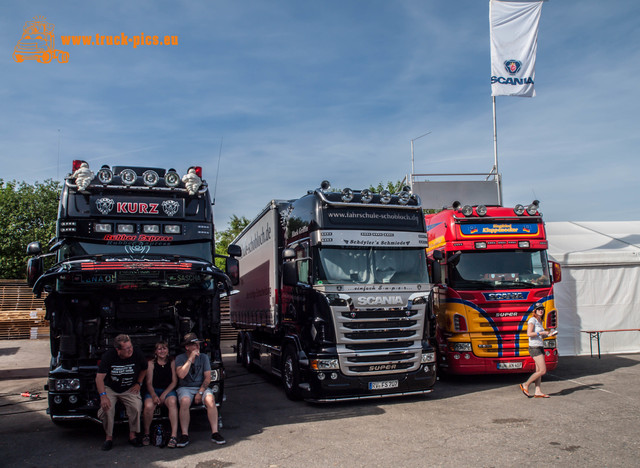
x: 232, y: 268
x: 234, y: 250
x: 288, y: 254
x: 35, y: 267
x: 436, y: 272
x: 455, y: 258
x: 438, y: 255
x: 289, y: 273
x: 556, y: 272
x: 34, y: 248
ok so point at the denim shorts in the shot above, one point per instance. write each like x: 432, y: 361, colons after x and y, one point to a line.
x: 536, y: 351
x: 191, y: 392
x: 159, y: 392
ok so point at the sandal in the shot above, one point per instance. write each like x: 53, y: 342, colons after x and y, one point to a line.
x: 172, y: 442
x: 146, y: 440
x: 541, y: 396
x: 524, y: 390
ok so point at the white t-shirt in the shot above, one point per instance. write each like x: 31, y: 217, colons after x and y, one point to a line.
x: 537, y: 327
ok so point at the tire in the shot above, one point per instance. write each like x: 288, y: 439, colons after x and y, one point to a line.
x: 45, y: 57
x: 63, y: 57
x: 239, y: 349
x: 18, y: 58
x: 291, y: 374
x: 247, y: 360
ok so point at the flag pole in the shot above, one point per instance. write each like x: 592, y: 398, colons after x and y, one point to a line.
x: 495, y: 150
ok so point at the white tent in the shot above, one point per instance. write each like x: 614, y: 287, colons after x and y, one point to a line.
x: 600, y: 287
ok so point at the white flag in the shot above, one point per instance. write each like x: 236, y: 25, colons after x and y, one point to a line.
x: 514, y: 41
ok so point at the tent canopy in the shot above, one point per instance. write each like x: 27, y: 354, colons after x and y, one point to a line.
x: 600, y: 287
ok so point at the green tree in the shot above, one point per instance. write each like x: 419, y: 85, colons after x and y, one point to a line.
x: 393, y: 187
x: 224, y: 238
x: 27, y: 213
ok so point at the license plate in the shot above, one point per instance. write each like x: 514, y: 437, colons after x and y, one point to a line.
x: 383, y: 385
x: 510, y: 365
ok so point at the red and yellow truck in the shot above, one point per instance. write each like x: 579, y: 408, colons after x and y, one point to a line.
x: 490, y: 267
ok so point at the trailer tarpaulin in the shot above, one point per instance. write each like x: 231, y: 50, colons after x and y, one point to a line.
x: 514, y: 42
x: 600, y: 287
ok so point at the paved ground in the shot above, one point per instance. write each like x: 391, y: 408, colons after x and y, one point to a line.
x: 592, y: 419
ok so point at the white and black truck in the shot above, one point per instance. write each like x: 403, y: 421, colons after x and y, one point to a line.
x: 334, y: 295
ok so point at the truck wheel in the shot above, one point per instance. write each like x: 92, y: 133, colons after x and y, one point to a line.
x: 247, y: 360
x: 63, y: 57
x: 45, y: 57
x: 18, y: 58
x: 239, y: 349
x: 291, y: 373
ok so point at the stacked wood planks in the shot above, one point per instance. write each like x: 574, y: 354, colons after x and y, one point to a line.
x: 21, y: 313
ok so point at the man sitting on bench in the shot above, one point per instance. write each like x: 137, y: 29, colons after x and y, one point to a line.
x: 194, y: 375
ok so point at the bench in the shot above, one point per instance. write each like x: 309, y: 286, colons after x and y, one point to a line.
x: 595, y: 335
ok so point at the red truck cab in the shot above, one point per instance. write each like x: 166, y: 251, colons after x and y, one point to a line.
x: 490, y: 267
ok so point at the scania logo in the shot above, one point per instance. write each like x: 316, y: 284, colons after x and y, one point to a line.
x: 512, y: 66
x: 506, y: 296
x: 381, y: 367
x: 380, y: 300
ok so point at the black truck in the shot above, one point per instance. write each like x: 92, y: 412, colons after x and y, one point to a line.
x: 335, y: 296
x: 134, y: 252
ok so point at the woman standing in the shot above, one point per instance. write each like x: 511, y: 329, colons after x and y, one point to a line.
x: 536, y: 332
x: 161, y: 382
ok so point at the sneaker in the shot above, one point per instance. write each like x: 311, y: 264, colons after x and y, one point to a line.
x: 183, y: 441
x: 217, y: 438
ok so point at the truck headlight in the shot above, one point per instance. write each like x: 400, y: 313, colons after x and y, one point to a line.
x: 215, y: 375
x: 461, y: 347
x: 65, y: 385
x: 324, y: 364
x: 549, y: 343
x: 428, y: 357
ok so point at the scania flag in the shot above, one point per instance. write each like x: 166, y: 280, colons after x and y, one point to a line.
x: 514, y: 41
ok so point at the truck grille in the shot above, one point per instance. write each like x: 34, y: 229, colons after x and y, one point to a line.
x: 379, y: 341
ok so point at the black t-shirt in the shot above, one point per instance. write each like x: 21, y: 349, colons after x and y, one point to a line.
x: 121, y: 373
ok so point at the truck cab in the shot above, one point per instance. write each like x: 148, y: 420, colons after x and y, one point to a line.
x: 133, y: 254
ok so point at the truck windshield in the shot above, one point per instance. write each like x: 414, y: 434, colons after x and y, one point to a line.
x: 518, y: 269
x: 201, y: 250
x: 371, y: 265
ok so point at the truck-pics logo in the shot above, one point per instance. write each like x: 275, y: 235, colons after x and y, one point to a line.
x: 38, y: 43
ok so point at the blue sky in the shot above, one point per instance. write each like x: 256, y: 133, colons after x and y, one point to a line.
x: 296, y: 92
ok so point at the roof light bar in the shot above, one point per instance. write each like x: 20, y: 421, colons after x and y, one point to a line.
x: 128, y: 177
x: 171, y: 178
x: 533, y: 208
x: 150, y: 178
x: 385, y: 197
x: 105, y: 175
x: 347, y: 195
x: 519, y: 210
x: 366, y: 196
x: 404, y: 197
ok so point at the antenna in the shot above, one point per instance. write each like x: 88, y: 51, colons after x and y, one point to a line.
x: 58, y: 166
x: 215, y: 185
